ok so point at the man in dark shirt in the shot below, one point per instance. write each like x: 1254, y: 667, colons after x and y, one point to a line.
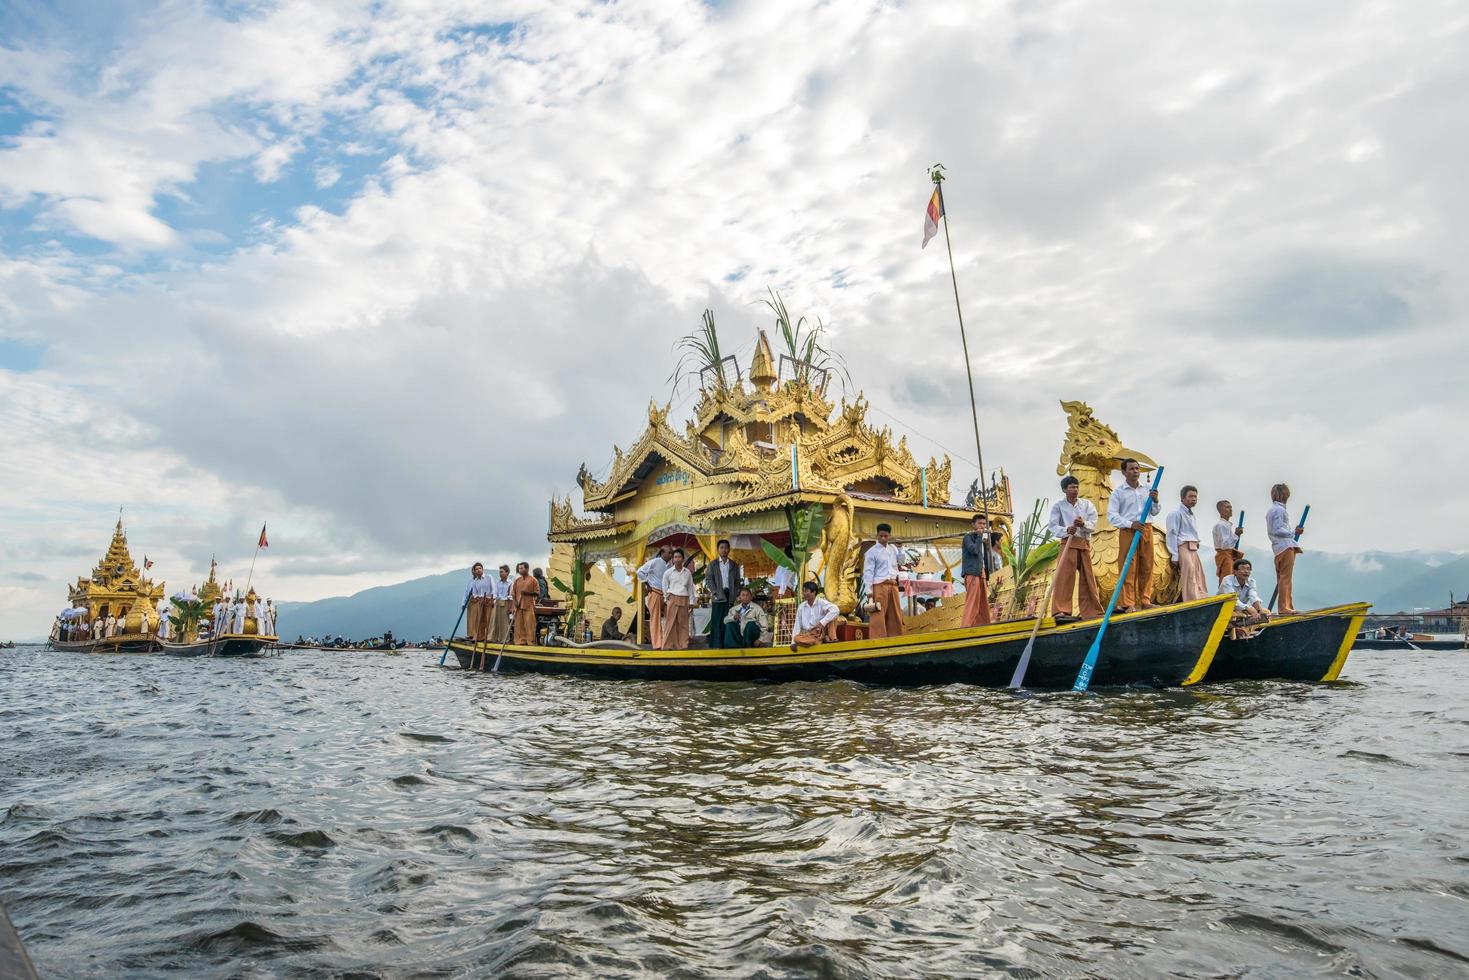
x: 609, y: 625
x: 722, y: 579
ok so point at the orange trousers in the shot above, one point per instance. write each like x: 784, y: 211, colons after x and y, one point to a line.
x: 1076, y: 563
x: 888, y: 620
x: 1137, y: 591
x: 653, y: 601
x: 1285, y: 570
x: 1224, y: 564
x: 976, y: 601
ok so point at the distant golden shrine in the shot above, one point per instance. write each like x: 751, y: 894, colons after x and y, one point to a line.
x: 118, y: 588
x: 752, y: 449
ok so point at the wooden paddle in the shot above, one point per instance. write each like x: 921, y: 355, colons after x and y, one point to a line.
x: 1017, y: 681
x: 1084, y: 675
x: 445, y: 655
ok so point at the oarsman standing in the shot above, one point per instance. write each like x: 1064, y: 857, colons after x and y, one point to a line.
x: 976, y: 567
x: 650, y: 573
x: 1124, y: 512
x: 217, y: 616
x: 1182, y: 537
x: 1073, y: 520
x: 269, y: 618
x: 500, y: 613
x: 111, y: 629
x: 1248, y: 609
x: 723, y: 580
x: 1226, y: 542
x: 814, y: 618
x: 239, y: 623
x: 880, y: 574
x: 479, y: 598
x: 678, y: 595
x: 524, y: 592
x: 1282, y: 534
x: 745, y: 623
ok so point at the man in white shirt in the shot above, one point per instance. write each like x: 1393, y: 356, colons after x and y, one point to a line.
x: 238, y: 625
x: 1125, y: 513
x: 500, y: 611
x: 1226, y: 542
x: 745, y: 623
x: 880, y: 575
x: 111, y: 629
x: 1073, y: 520
x: 1283, y: 536
x: 722, y: 579
x: 1182, y: 538
x: 1248, y: 609
x: 99, y: 626
x: 651, y: 575
x: 815, y: 618
x: 479, y: 595
x: 678, y: 597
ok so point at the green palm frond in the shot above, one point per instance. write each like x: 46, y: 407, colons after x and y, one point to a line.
x: 802, y: 340
x: 699, y: 351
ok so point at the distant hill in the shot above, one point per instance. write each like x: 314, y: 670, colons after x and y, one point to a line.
x: 1392, y: 581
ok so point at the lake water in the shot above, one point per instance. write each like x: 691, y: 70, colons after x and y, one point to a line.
x: 366, y: 815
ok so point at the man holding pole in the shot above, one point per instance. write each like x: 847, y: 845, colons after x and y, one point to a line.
x: 524, y: 592
x: 478, y: 598
x: 500, y: 611
x: 1125, y: 513
x: 1226, y: 542
x: 1283, y: 541
x: 1073, y: 519
x: 976, y: 568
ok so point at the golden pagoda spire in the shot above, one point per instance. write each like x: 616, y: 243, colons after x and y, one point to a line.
x: 762, y: 365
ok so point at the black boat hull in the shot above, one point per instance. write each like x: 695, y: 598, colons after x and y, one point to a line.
x: 230, y: 645
x: 1310, y: 647
x: 1160, y: 647
x: 132, y: 643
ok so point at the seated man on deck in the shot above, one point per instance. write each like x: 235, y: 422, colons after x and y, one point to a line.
x: 816, y: 618
x: 609, y: 625
x: 745, y: 624
x: 1248, y: 609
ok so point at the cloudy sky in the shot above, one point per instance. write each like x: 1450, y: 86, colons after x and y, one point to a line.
x: 384, y: 274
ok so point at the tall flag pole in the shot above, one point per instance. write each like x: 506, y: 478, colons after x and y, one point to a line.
x: 938, y: 213
x: 262, y: 543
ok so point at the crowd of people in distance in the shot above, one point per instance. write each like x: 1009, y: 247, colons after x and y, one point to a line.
x: 503, y: 610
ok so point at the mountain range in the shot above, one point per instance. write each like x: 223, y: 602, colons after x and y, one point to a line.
x: 1391, y: 581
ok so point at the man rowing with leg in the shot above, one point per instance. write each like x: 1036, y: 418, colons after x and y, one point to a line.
x: 1125, y: 513
x: 1226, y: 543
x: 1072, y: 520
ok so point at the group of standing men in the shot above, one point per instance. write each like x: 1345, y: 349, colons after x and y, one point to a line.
x: 228, y: 616
x: 496, y: 607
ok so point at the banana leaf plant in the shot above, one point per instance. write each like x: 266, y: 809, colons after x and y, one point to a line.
x: 185, y: 617
x: 1035, y: 547
x: 805, y: 525
x: 577, y: 592
x: 699, y: 352
x: 803, y: 343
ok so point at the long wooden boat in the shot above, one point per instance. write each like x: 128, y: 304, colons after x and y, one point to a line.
x: 1310, y: 646
x: 1362, y: 643
x: 1159, y: 647
x: 225, y: 645
x: 125, y: 643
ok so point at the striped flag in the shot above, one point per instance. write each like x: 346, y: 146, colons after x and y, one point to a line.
x: 147, y: 564
x: 931, y: 216
x: 263, y: 543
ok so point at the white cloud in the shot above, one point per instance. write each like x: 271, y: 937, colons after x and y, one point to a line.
x: 1238, y: 241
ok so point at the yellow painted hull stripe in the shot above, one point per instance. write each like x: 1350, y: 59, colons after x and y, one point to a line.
x: 1211, y: 646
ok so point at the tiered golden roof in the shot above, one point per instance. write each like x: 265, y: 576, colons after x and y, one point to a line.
x: 117, y: 586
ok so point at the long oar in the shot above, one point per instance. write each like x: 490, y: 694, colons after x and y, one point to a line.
x: 1084, y: 675
x: 445, y: 655
x: 1305, y: 513
x: 1018, y: 680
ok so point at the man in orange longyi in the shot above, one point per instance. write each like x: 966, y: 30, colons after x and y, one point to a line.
x: 524, y: 592
x: 976, y: 567
x: 1125, y: 512
x: 650, y: 573
x: 1073, y: 519
x: 1283, y: 541
x: 477, y: 597
x: 880, y: 573
x: 678, y: 593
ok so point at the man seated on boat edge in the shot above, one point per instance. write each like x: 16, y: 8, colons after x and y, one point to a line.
x: 745, y: 625
x: 1249, y: 610
x: 816, y: 618
x: 609, y: 625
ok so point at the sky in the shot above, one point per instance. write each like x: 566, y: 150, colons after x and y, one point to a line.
x: 384, y: 274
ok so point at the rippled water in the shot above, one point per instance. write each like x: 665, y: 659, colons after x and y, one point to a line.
x: 364, y: 815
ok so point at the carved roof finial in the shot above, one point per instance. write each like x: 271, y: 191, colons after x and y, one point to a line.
x: 762, y: 365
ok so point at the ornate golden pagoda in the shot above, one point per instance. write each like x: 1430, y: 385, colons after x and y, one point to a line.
x: 753, y: 448
x: 211, y: 590
x: 118, y: 588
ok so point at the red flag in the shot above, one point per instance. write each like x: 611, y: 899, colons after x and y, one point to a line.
x: 263, y: 543
x: 146, y: 563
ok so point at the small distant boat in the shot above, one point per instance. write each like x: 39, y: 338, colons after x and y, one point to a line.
x: 126, y: 643
x: 1415, y: 641
x: 1311, y: 646
x: 1163, y: 646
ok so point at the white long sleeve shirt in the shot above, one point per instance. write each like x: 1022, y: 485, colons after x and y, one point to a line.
x: 1224, y: 537
x: 651, y: 572
x: 880, y: 565
x: 678, y: 581
x: 1063, y: 512
x: 501, y: 589
x: 812, y: 617
x: 1180, y: 527
x: 479, y: 588
x: 1126, y: 505
x: 784, y: 580
x: 1245, y: 595
x: 1281, y: 531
